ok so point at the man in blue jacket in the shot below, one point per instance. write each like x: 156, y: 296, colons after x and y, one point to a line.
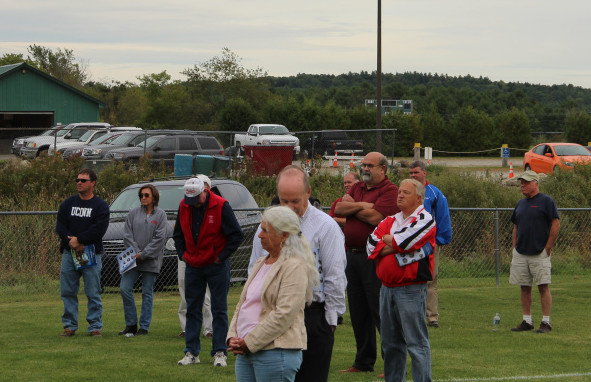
x: 436, y: 204
x: 82, y: 220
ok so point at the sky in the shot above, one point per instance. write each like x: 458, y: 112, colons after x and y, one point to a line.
x: 540, y: 42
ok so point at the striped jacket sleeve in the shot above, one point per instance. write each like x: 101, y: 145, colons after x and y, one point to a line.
x: 407, y: 239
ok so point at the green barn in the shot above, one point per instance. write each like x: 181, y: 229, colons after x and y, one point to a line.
x: 31, y: 100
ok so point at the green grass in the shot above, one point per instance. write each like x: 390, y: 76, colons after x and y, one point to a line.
x: 463, y: 347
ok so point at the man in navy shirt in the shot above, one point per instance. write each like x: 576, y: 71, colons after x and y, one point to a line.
x: 535, y: 230
x: 82, y: 220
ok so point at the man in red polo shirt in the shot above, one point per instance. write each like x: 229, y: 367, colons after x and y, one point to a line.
x: 367, y: 203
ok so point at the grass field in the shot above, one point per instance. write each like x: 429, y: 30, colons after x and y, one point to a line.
x: 464, y: 348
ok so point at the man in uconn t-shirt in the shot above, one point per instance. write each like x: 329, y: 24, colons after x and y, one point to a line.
x: 82, y: 220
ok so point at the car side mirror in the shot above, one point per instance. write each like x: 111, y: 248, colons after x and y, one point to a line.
x: 157, y: 148
x: 549, y: 155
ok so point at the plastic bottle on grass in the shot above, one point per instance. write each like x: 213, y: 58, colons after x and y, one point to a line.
x: 496, y: 322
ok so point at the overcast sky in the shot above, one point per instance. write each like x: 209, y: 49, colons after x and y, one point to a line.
x: 540, y: 42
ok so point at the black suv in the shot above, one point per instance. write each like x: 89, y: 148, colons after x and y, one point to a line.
x: 165, y: 147
x: 171, y: 192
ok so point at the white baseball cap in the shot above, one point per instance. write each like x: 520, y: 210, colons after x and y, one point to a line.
x: 205, y: 179
x: 193, y: 188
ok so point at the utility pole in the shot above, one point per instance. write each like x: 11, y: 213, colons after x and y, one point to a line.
x: 379, y: 84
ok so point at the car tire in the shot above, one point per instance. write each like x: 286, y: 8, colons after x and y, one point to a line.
x: 555, y: 169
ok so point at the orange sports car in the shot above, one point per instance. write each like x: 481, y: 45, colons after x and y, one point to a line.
x: 547, y: 157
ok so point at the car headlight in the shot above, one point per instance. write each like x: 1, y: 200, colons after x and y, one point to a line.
x: 169, y: 246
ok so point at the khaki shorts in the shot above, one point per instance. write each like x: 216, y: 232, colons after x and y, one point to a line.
x: 526, y: 270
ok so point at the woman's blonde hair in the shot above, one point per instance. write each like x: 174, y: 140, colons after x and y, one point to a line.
x: 283, y: 219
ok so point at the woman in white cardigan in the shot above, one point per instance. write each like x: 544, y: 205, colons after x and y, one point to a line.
x: 267, y: 331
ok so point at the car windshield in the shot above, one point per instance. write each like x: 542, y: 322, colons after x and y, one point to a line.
x: 567, y: 150
x: 170, y: 197
x: 275, y: 129
x: 62, y: 132
x: 122, y: 139
x: 149, y: 142
x: 104, y: 139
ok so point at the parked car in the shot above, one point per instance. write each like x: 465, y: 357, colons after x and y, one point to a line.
x: 125, y: 139
x: 18, y: 142
x: 76, y: 151
x: 171, y: 192
x: 547, y: 157
x: 88, y: 137
x: 329, y: 142
x: 267, y: 135
x: 165, y: 147
x: 35, y: 146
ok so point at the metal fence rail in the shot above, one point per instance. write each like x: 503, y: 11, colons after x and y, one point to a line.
x: 480, y: 248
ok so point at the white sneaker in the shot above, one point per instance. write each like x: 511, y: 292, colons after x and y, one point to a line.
x: 219, y: 359
x: 189, y: 359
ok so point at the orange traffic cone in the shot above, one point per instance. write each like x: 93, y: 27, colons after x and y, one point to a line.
x: 511, y: 175
x: 351, y: 164
x: 334, y: 162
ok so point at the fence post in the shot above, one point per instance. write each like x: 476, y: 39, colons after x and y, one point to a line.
x: 497, y: 251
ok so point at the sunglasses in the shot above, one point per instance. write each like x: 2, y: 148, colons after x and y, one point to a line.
x: 146, y: 195
x: 82, y: 180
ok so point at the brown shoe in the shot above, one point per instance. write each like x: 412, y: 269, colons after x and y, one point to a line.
x: 96, y: 333
x: 523, y: 327
x: 181, y: 334
x: 352, y: 369
x: 68, y: 333
x: 545, y: 327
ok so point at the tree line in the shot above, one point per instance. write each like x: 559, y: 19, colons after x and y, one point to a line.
x: 454, y: 114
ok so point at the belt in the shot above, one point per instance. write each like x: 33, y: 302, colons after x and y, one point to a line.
x: 357, y: 250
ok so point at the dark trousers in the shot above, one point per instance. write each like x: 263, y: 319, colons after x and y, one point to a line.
x: 316, y: 361
x: 363, y: 292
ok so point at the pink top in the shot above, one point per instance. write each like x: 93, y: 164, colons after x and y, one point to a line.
x: 250, y: 311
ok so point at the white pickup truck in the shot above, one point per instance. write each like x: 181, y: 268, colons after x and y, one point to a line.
x: 267, y: 135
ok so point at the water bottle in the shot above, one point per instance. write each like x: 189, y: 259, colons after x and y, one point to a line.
x: 496, y: 322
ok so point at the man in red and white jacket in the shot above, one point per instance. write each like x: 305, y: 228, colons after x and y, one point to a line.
x: 402, y: 246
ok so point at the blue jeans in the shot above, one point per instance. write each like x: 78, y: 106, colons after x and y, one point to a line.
x: 217, y: 276
x: 70, y: 285
x: 126, y: 287
x: 273, y: 365
x: 402, y: 312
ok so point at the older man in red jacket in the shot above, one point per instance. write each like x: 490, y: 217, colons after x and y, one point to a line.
x: 402, y: 246
x: 206, y: 233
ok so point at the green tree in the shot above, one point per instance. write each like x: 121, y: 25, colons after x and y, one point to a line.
x: 578, y: 127
x: 473, y: 131
x: 61, y: 64
x: 513, y: 126
x: 236, y: 115
x: 13, y: 58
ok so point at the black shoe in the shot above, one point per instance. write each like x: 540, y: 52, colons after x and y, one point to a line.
x: 433, y: 324
x: 129, y: 329
x: 141, y: 332
x: 523, y: 327
x: 545, y: 327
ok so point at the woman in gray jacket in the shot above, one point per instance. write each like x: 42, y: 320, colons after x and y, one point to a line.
x: 145, y: 231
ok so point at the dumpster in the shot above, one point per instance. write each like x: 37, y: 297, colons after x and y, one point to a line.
x: 183, y: 164
x: 221, y: 165
x: 203, y: 164
x: 269, y: 160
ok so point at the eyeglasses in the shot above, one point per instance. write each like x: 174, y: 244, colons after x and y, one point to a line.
x: 146, y: 195
x: 370, y: 166
x: 82, y: 180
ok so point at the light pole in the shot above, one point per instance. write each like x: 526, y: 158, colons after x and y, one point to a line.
x: 379, y: 82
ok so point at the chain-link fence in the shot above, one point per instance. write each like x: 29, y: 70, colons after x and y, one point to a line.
x: 480, y: 247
